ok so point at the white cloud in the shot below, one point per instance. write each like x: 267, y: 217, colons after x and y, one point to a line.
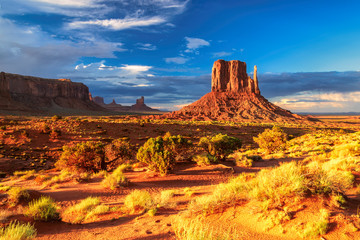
x: 177, y: 60
x: 29, y: 50
x: 222, y: 54
x: 320, y: 102
x: 114, y: 75
x: 135, y: 69
x: 146, y: 46
x: 195, y: 43
x: 119, y: 24
x: 70, y: 3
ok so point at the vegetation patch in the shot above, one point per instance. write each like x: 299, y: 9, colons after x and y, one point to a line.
x: 44, y: 209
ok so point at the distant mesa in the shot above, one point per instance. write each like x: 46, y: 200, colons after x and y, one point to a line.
x: 234, y: 96
x: 140, y: 106
x: 20, y: 93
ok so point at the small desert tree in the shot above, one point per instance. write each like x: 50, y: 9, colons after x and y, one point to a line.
x: 118, y: 152
x: 159, y: 153
x: 82, y: 157
x: 219, y: 146
x: 272, y: 140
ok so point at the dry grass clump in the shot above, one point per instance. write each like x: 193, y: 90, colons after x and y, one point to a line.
x: 318, y: 227
x: 84, y: 210
x: 25, y: 175
x: 141, y: 201
x: 116, y: 179
x: 15, y: 194
x: 198, y: 228
x: 44, y: 209
x: 274, y: 188
x: 17, y: 231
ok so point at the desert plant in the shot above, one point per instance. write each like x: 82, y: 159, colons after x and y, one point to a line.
x: 219, y: 146
x: 202, y: 159
x: 139, y: 200
x: 272, y: 140
x: 116, y: 179
x: 17, y: 231
x: 16, y: 193
x: 56, y: 118
x: 55, y: 133
x: 318, y: 227
x: 84, y: 210
x: 159, y: 153
x: 82, y: 157
x: 24, y: 175
x: 199, y: 228
x: 44, y: 209
x: 119, y: 151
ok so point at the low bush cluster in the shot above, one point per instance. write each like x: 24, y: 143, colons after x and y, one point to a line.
x: 272, y: 140
x: 219, y: 146
x: 160, y: 153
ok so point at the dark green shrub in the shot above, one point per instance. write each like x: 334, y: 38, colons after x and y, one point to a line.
x: 159, y: 153
x: 272, y: 140
x: 82, y: 157
x: 219, y: 146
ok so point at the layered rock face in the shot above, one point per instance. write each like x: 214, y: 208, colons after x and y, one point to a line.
x: 232, y: 77
x: 234, y: 96
x: 39, y: 94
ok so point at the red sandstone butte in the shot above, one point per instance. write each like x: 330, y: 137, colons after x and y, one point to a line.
x: 234, y: 96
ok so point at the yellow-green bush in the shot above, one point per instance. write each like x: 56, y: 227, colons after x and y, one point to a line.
x: 219, y: 146
x: 44, y: 209
x: 272, y: 140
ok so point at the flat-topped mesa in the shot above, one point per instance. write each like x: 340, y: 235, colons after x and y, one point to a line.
x: 231, y: 76
x: 34, y: 94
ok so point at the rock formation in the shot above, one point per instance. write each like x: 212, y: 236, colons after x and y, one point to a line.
x: 33, y: 94
x: 140, y: 106
x: 234, y: 96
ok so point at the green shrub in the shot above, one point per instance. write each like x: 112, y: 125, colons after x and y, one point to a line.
x: 159, y: 153
x: 119, y: 151
x: 44, y: 209
x: 17, y: 231
x: 82, y: 157
x: 272, y: 140
x: 219, y: 146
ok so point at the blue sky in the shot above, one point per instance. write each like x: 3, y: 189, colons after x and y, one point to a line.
x: 307, y: 52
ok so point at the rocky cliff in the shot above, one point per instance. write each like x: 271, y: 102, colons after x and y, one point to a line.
x: 26, y: 93
x: 234, y: 96
x: 232, y: 77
